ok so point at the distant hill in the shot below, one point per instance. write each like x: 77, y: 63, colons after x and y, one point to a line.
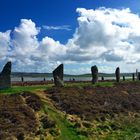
x: 24, y: 74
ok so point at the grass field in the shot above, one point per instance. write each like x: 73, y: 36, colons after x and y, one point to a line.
x: 16, y: 89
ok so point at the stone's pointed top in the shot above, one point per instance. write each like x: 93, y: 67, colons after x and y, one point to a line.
x: 117, y: 68
x: 59, y: 67
x: 7, y: 68
x: 59, y: 71
x: 58, y: 76
x: 94, y: 68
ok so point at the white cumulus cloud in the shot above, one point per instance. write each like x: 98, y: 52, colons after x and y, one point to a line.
x: 4, y: 44
x: 104, y: 36
x: 107, y: 34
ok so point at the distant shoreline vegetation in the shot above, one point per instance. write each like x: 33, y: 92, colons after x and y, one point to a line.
x: 25, y: 74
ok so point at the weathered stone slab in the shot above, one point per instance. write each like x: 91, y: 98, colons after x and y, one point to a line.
x: 58, y: 76
x: 117, y: 73
x: 5, y: 76
x: 133, y: 76
x: 123, y: 78
x: 94, y: 71
x: 102, y: 78
x: 139, y: 76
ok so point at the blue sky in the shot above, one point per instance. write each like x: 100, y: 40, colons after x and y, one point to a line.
x: 54, y: 13
x: 55, y: 23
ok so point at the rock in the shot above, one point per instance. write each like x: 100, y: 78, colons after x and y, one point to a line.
x: 102, y: 78
x: 136, y: 74
x: 5, y: 76
x: 123, y: 78
x: 133, y: 77
x: 94, y: 71
x: 58, y: 76
x: 22, y: 79
x: 117, y: 73
x: 139, y: 76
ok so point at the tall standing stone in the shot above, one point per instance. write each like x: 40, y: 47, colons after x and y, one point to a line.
x: 5, y: 76
x: 117, y: 73
x: 44, y: 79
x: 22, y: 79
x: 123, y: 78
x: 133, y: 76
x: 139, y: 76
x: 94, y: 71
x: 58, y: 76
x: 102, y: 78
x: 136, y: 74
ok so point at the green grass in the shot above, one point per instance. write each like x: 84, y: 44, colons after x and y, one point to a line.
x: 16, y: 89
x: 105, y: 84
x: 128, y: 128
x: 82, y: 84
x: 68, y: 132
x: 122, y: 127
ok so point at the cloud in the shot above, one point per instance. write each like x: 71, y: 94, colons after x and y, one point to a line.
x: 28, y: 51
x: 107, y: 34
x: 24, y: 39
x: 104, y: 36
x: 63, y: 27
x: 4, y: 44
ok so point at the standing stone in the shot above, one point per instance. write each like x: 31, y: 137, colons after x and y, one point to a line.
x: 133, y: 77
x: 139, y: 76
x: 22, y: 79
x: 5, y: 76
x: 58, y: 76
x: 123, y: 78
x: 102, y: 78
x: 136, y: 74
x: 94, y: 71
x: 117, y: 73
x: 44, y: 79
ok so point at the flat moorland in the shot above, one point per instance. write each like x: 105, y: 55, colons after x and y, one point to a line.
x: 89, y: 101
